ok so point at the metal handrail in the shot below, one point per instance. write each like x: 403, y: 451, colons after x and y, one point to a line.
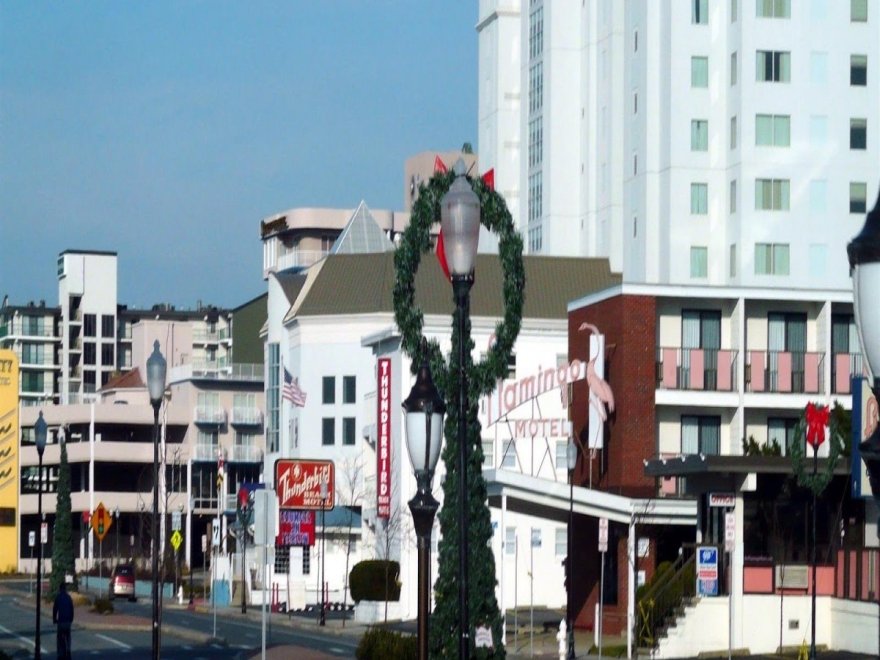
x: 660, y: 601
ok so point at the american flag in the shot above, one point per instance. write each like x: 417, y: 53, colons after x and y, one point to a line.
x: 292, y: 391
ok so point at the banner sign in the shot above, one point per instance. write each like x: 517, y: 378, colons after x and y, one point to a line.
x: 707, y: 570
x: 298, y: 483
x: 383, y: 438
x: 296, y: 528
x: 864, y: 421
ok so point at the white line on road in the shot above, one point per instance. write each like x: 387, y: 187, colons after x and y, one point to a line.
x: 24, y: 639
x: 114, y: 641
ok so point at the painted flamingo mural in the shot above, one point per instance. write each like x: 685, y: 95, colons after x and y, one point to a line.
x: 601, y: 396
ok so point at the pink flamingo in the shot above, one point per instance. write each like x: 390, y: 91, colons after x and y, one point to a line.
x: 600, y: 392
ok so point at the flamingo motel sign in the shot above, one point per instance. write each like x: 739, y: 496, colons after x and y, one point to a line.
x: 383, y: 438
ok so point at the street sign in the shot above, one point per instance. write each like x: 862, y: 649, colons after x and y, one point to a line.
x: 707, y: 570
x: 603, y: 534
x: 32, y: 538
x: 175, y: 521
x: 44, y: 533
x: 729, y: 531
x: 215, y: 533
x: 101, y: 521
x: 722, y: 500
x: 298, y: 484
x: 176, y: 539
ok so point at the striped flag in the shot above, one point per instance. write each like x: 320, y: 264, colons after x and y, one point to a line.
x: 291, y: 390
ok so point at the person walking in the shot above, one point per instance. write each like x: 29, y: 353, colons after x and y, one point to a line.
x: 62, y: 616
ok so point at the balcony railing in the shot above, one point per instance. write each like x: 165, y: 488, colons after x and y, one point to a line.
x: 701, y: 369
x: 212, y: 371
x: 845, y: 367
x: 247, y: 416
x: 784, y: 372
x: 245, y: 454
x: 210, y: 415
x: 299, y: 259
x: 205, y: 453
x: 19, y: 329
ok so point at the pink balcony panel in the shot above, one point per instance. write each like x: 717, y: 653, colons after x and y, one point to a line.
x: 697, y: 365
x: 841, y: 373
x: 811, y: 373
x: 758, y: 580
x: 757, y: 361
x: 725, y: 359
x: 783, y: 372
x: 670, y: 368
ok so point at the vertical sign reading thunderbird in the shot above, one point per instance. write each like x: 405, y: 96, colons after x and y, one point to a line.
x: 8, y: 460
x: 383, y: 439
x: 298, y: 484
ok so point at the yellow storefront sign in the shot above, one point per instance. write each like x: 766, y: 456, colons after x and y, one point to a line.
x: 8, y: 460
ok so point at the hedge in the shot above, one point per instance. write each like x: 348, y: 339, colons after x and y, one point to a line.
x: 367, y: 580
x: 381, y: 644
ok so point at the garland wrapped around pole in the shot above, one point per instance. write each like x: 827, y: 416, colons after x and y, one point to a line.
x: 482, y: 379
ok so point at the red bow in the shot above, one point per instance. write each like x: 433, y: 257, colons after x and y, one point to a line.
x: 817, y: 420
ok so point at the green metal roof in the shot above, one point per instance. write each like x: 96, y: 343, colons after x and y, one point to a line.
x: 363, y: 284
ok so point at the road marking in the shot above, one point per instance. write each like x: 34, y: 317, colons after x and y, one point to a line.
x: 114, y: 641
x: 24, y: 639
x: 336, y: 649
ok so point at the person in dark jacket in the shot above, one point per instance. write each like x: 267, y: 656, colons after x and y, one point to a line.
x: 62, y: 616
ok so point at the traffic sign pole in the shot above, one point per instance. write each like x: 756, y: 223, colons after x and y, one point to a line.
x: 603, y: 548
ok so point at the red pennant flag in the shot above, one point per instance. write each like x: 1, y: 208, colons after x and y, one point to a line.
x: 440, y: 251
x: 489, y: 179
x: 439, y: 165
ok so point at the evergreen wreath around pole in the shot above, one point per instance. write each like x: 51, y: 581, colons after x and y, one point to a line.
x: 416, y: 241
x: 806, y: 479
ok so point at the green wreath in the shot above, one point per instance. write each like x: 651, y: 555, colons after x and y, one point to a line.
x: 818, y: 482
x: 416, y: 241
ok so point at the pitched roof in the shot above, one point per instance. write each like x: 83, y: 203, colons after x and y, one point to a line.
x: 361, y: 235
x: 125, y: 381
x: 291, y: 284
x: 363, y: 284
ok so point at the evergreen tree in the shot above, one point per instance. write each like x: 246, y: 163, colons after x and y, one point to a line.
x: 62, y: 536
x: 482, y: 605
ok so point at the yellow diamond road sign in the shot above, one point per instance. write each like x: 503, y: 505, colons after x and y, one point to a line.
x: 176, y: 540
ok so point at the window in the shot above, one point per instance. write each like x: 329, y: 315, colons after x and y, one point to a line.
x: 819, y: 68
x: 32, y: 381
x: 780, y: 432
x: 773, y: 66
x: 536, y: 87
x: 328, y: 431
x: 699, y: 261
x: 771, y: 194
x: 858, y: 70
x: 733, y: 68
x: 635, y: 164
x: 89, y: 325
x: 700, y: 435
x: 699, y: 135
x: 561, y: 541
x: 108, y: 326
x: 32, y: 353
x: 488, y: 454
x: 818, y: 196
x: 733, y: 196
x: 771, y: 259
x: 700, y: 12
x: 733, y: 260
x: 699, y: 198
x: 273, y: 399
x: 733, y: 11
x: 635, y: 103
x: 328, y: 389
x: 733, y: 132
x: 635, y: 41
x: 349, y: 389
x: 536, y: 238
x: 207, y: 438
x: 536, y: 32
x: 90, y: 353
x: 772, y: 130
x: 562, y: 454
x: 818, y: 130
x: 510, y: 541
x: 243, y: 439
x: 508, y: 460
x: 858, y: 197
x: 858, y: 133
x: 858, y: 11
x: 699, y: 72
x: 348, y: 430
x: 536, y: 205
x: 536, y: 142
x: 307, y: 559
x: 774, y: 8
x: 107, y: 355
x: 511, y: 367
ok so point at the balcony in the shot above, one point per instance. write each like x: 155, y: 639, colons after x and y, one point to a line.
x: 246, y: 416
x: 245, y: 454
x: 202, y: 336
x: 209, y: 416
x: 784, y: 372
x: 252, y: 373
x: 299, y: 259
x: 845, y: 367
x: 706, y: 370
x: 205, y: 453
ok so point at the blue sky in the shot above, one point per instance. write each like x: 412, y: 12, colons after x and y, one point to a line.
x: 166, y: 130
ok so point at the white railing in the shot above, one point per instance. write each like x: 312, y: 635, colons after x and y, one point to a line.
x: 247, y: 416
x: 205, y: 453
x: 210, y: 415
x: 211, y: 371
x: 299, y: 259
x: 246, y: 454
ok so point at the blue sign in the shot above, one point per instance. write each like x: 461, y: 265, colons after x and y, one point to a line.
x: 707, y: 571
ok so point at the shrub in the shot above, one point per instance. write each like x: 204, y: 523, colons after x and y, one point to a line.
x: 102, y: 606
x: 379, y: 644
x: 367, y: 580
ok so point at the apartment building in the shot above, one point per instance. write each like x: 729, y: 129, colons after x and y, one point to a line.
x: 717, y: 142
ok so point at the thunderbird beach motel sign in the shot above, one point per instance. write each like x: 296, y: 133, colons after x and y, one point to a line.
x: 383, y: 439
x: 298, y: 484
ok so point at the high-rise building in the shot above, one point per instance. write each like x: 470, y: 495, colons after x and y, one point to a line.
x: 690, y: 141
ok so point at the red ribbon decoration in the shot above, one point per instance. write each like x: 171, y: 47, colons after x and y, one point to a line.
x: 817, y: 420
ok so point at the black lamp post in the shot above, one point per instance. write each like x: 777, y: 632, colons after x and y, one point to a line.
x: 191, y: 558
x: 460, y: 223
x: 864, y: 264
x: 156, y: 367
x: 424, y: 432
x: 40, y: 430
x: 571, y: 460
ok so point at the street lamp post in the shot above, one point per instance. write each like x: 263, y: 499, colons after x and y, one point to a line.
x: 571, y: 460
x: 424, y: 428
x: 191, y: 558
x: 156, y: 368
x: 864, y: 263
x: 116, y: 521
x: 460, y: 224
x: 322, y: 616
x: 40, y: 430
